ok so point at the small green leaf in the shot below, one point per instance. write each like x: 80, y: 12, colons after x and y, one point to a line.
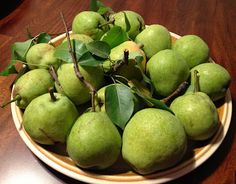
x: 43, y: 38
x: 99, y: 7
x: 93, y: 5
x: 119, y: 104
x: 127, y: 23
x: 103, y: 10
x: 146, y: 97
x: 137, y: 56
x: 87, y: 59
x: 99, y: 48
x: 62, y: 51
x: 10, y: 69
x: 115, y: 36
x: 145, y: 78
x: 20, y: 49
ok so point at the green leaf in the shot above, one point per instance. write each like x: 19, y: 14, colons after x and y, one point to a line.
x: 20, y: 49
x: 145, y: 78
x: 93, y: 5
x: 119, y: 104
x: 159, y: 104
x: 62, y: 51
x: 127, y: 23
x: 87, y: 59
x: 43, y: 38
x: 137, y: 56
x: 103, y: 10
x: 140, y: 86
x: 115, y: 36
x: 99, y: 48
x: 10, y: 69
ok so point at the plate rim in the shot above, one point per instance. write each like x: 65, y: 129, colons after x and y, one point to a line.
x: 181, y: 169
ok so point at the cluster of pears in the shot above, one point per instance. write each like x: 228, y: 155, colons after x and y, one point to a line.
x: 153, y: 139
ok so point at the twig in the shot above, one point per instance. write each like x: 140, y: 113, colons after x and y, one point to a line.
x: 54, y: 76
x: 179, y: 90
x: 125, y: 60
x: 76, y: 68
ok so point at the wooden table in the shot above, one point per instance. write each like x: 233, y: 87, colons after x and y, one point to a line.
x: 213, y: 20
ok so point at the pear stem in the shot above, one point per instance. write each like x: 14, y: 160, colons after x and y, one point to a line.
x: 51, y: 92
x: 125, y: 60
x: 76, y: 68
x: 177, y: 92
x: 16, y: 98
x: 196, y: 87
x: 107, y: 23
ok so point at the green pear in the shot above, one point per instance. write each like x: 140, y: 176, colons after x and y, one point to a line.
x: 193, y: 49
x: 41, y: 55
x: 94, y: 141
x: 31, y: 85
x: 89, y: 23
x: 127, y: 70
x: 73, y: 87
x: 214, y: 80
x: 167, y: 70
x: 81, y: 37
x: 154, y: 39
x: 48, y: 120
x: 135, y: 20
x: 198, y: 115
x: 153, y: 140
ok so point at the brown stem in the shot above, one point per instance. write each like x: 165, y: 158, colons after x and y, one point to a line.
x: 195, y: 78
x: 179, y: 90
x: 76, y: 68
x: 106, y: 23
x: 125, y: 60
x: 54, y: 76
x: 51, y: 92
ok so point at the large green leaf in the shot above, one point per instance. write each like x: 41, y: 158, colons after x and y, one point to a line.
x: 87, y: 59
x: 119, y: 104
x: 20, y: 49
x: 62, y: 51
x: 115, y: 36
x: 99, y: 48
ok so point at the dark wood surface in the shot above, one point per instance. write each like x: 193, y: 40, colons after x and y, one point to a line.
x: 213, y: 20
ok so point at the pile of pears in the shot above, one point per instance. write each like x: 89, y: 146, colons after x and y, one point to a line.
x: 153, y: 139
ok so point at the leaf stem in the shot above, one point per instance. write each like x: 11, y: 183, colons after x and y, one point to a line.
x: 177, y: 92
x: 76, y: 68
x: 106, y: 23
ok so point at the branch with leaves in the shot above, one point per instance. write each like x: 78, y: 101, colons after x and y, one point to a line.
x: 76, y: 67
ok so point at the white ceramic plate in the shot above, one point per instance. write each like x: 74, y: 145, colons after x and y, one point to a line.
x: 120, y: 172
